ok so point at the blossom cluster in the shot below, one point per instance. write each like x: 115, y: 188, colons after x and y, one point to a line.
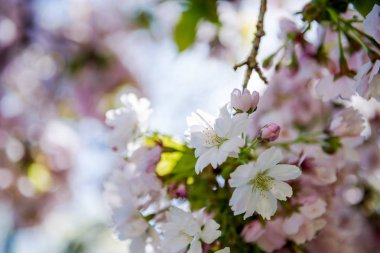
x: 292, y: 170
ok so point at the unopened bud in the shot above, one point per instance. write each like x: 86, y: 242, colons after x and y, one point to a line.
x: 270, y: 132
x: 244, y: 101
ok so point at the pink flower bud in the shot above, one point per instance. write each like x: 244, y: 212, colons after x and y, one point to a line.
x: 244, y: 101
x: 270, y: 132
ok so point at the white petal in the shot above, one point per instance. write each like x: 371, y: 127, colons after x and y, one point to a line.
x: 266, y: 205
x: 239, y: 124
x: 242, y: 175
x: 284, y: 172
x: 240, y: 199
x: 232, y: 145
x: 195, y: 246
x: 252, y: 205
x: 176, y: 244
x: 210, y: 232
x: 225, y: 250
x: 220, y: 158
x: 281, y: 190
x: 269, y: 158
x: 222, y: 126
x: 205, y: 159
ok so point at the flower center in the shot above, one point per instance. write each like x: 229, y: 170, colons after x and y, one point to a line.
x: 262, y: 181
x: 213, y: 139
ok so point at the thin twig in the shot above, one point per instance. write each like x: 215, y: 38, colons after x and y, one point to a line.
x: 251, y: 61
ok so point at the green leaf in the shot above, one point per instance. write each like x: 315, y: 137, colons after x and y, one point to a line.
x: 364, y: 6
x: 186, y: 29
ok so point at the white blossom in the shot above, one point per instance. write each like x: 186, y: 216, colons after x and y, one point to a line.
x: 216, y: 139
x: 259, y: 185
x: 183, y: 231
x: 130, y: 193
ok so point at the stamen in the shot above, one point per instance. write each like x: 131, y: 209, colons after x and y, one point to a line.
x: 262, y: 181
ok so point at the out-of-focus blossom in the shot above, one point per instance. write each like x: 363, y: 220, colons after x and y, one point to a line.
x: 371, y: 23
x: 269, y: 238
x: 146, y: 158
x: 183, y: 229
x: 259, y: 185
x: 244, y: 101
x: 347, y: 123
x: 128, y: 121
x: 329, y: 89
x: 216, y: 139
x: 286, y: 26
x: 270, y: 132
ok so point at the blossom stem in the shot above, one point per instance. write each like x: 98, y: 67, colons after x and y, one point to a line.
x: 251, y: 61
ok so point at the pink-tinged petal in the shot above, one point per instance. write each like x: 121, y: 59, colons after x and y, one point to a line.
x: 371, y: 23
x: 284, y: 172
x: 375, y: 71
x: 252, y: 231
x: 292, y: 224
x: 314, y: 210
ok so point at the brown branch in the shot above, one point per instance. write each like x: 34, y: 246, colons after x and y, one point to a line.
x: 251, y: 61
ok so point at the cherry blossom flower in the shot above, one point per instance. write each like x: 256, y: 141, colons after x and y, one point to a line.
x: 259, y: 185
x: 128, y: 121
x: 244, y: 101
x: 216, y: 139
x: 371, y: 23
x: 183, y: 229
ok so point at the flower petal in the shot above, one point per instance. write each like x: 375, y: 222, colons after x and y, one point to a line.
x: 195, y: 246
x: 284, y: 172
x: 269, y: 158
x: 266, y: 205
x: 210, y: 232
x: 252, y: 204
x: 281, y: 190
x: 205, y: 159
x: 242, y: 175
x: 232, y: 145
x: 225, y: 250
x: 240, y: 199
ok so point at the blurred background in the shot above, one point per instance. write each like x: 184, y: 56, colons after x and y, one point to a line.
x: 63, y: 63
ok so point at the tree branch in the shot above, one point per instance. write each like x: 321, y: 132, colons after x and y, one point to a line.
x: 251, y: 61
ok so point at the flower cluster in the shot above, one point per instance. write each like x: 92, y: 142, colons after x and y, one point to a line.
x: 292, y: 170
